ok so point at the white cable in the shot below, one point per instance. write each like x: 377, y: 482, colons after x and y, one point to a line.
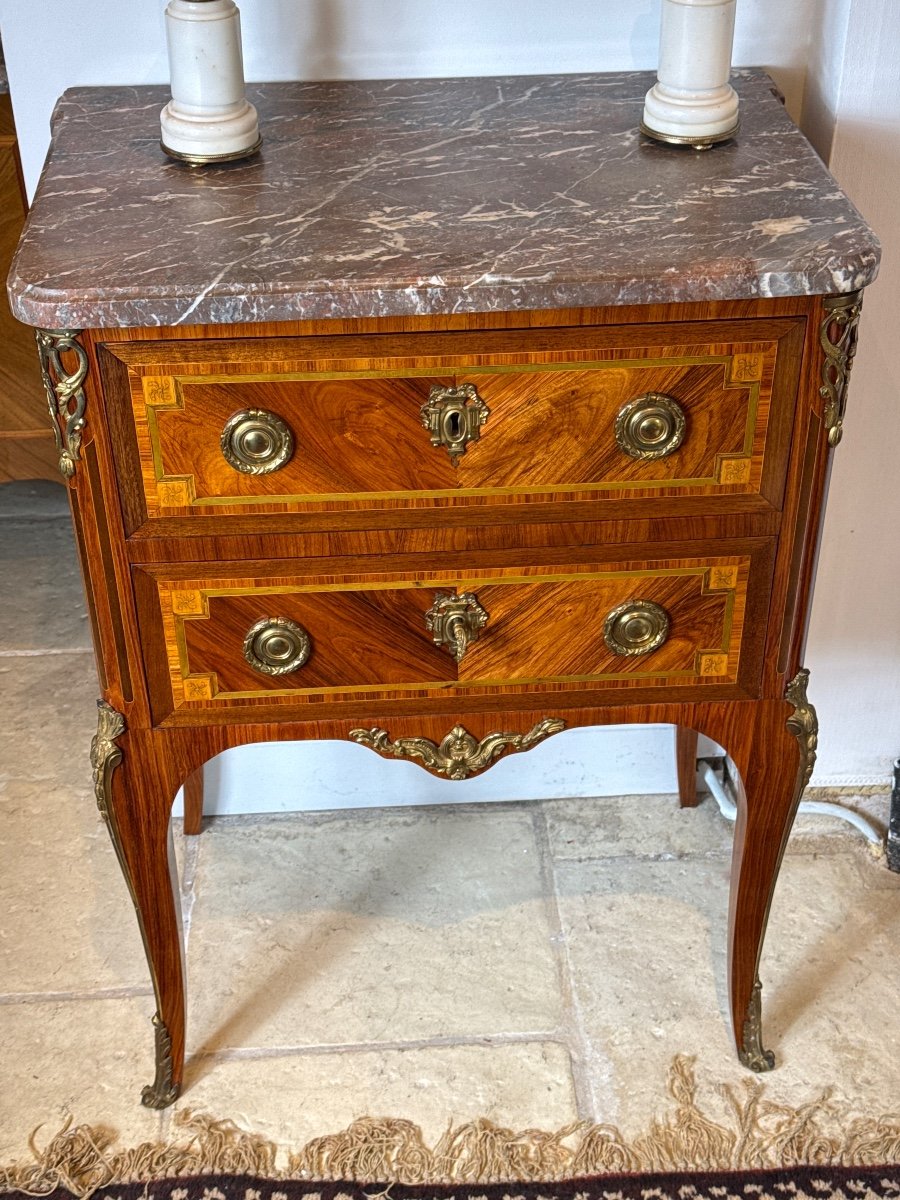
x: 728, y: 808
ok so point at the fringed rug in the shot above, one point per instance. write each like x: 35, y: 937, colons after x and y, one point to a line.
x: 820, y: 1150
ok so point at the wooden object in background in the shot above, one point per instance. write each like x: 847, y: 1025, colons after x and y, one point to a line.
x: 27, y: 449
x: 686, y: 766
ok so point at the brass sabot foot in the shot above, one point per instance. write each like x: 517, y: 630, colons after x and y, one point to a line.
x: 752, y: 1054
x: 162, y: 1091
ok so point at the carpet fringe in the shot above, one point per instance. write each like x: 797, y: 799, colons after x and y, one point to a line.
x: 759, y: 1134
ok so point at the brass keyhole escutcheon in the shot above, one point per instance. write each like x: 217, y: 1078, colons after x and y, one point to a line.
x: 453, y: 416
x: 650, y: 426
x: 256, y: 442
x: 455, y: 622
x: 277, y: 646
x: 636, y: 627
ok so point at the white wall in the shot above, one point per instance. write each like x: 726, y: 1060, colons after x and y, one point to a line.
x: 52, y: 44
x: 854, y: 646
x: 825, y: 68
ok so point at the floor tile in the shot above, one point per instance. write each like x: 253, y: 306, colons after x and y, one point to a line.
x: 296, y: 1098
x: 635, y: 826
x: 33, y: 498
x: 87, y: 1058
x: 66, y: 919
x: 814, y: 834
x: 832, y: 972
x: 646, y: 941
x: 41, y: 597
x: 48, y: 715
x: 378, y: 928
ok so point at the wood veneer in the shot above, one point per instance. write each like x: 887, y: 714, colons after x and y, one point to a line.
x: 353, y: 407
x: 27, y: 448
x: 360, y: 575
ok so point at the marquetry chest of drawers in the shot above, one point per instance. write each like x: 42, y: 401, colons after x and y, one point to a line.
x: 448, y: 423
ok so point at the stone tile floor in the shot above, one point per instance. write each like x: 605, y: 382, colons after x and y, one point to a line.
x: 530, y: 962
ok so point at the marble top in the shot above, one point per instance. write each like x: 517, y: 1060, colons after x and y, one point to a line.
x: 410, y: 197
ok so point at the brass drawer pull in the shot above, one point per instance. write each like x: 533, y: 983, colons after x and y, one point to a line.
x: 636, y: 627
x: 256, y: 442
x: 277, y: 646
x: 454, y: 416
x: 650, y: 426
x: 455, y: 622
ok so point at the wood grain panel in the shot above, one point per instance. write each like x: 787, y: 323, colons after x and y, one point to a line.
x: 369, y: 635
x: 353, y: 406
x: 545, y: 320
x: 27, y: 448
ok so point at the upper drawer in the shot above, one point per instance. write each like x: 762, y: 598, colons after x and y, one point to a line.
x: 437, y: 420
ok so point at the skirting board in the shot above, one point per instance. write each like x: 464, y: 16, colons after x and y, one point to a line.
x: 317, y: 776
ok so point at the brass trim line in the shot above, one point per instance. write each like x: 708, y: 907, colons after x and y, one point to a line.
x: 157, y: 477
x: 694, y: 142
x: 179, y: 674
x: 204, y: 160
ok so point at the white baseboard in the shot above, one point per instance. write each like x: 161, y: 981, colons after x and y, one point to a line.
x: 316, y: 776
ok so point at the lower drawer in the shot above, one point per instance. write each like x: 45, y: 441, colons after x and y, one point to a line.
x: 288, y: 640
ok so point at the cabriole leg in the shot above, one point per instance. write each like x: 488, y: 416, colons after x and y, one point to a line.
x: 775, y: 764
x: 135, y: 797
x: 193, y: 803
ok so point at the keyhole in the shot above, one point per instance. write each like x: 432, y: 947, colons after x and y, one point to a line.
x: 454, y: 425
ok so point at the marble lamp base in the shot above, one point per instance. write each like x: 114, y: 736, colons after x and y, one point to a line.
x: 695, y: 119
x: 692, y: 102
x: 209, y: 118
x: 207, y: 139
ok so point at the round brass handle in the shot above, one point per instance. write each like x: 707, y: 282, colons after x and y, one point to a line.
x: 650, y: 426
x: 277, y: 646
x: 636, y: 627
x: 256, y: 442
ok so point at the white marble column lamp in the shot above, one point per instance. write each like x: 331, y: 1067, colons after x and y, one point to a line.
x: 692, y: 102
x: 208, y: 118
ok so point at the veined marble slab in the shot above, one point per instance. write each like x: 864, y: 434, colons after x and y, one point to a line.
x: 410, y: 197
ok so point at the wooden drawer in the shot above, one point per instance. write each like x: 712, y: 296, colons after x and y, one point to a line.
x: 554, y: 429
x: 547, y: 629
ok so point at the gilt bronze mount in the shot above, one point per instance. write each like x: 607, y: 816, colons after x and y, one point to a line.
x: 277, y: 646
x: 256, y: 442
x: 650, y: 426
x: 751, y: 1052
x: 454, y: 416
x: 840, y: 327
x: 455, y: 622
x: 803, y: 724
x: 66, y: 399
x: 460, y: 754
x: 636, y: 627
